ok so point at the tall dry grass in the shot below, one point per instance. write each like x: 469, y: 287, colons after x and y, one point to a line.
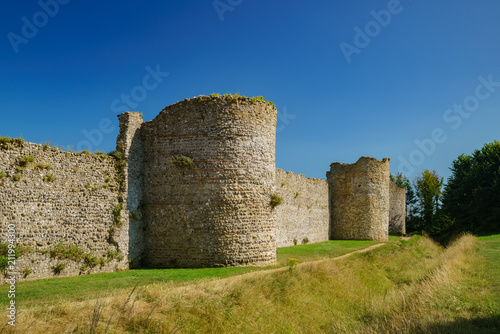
x: 409, y: 287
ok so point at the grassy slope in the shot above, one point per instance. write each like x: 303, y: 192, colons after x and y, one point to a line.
x: 490, y: 249
x: 404, y: 287
x: 92, y: 286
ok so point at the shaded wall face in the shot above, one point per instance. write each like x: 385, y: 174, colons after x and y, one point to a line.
x: 216, y: 211
x: 304, y: 209
x: 359, y: 200
x: 129, y: 144
x: 397, y: 213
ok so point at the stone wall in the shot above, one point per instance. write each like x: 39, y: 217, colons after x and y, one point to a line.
x: 88, y: 213
x: 129, y: 144
x: 359, y: 199
x: 397, y: 210
x: 303, y: 212
x: 216, y: 211
x: 54, y: 197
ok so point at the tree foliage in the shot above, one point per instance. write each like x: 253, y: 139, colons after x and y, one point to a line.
x: 428, y: 192
x: 472, y: 195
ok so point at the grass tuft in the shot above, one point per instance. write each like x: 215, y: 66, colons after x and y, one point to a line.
x: 275, y: 201
x: 49, y: 178
x: 23, y: 162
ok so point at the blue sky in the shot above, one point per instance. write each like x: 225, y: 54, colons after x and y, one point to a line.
x: 416, y: 81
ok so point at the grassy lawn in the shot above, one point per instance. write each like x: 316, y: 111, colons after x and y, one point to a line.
x: 322, y: 250
x: 92, y: 286
x: 490, y: 249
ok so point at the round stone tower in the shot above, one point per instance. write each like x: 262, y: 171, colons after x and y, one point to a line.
x: 359, y: 200
x: 209, y: 167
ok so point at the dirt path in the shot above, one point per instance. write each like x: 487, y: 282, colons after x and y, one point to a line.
x: 262, y: 272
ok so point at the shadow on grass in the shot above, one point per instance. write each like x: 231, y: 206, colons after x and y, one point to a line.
x: 459, y: 326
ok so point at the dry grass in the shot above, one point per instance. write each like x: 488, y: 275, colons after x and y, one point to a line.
x: 408, y: 287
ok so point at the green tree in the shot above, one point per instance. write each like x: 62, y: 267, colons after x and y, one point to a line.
x: 472, y: 195
x: 428, y: 191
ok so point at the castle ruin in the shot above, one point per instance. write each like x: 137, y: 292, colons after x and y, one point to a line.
x: 190, y: 188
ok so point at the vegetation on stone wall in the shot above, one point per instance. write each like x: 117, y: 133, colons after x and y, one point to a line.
x: 41, y: 165
x: 275, y: 201
x: 26, y: 272
x: 117, y: 214
x: 4, y: 253
x: 29, y: 162
x: 7, y: 143
x: 23, y: 162
x: 49, y: 178
x: 237, y: 96
x: 71, y: 252
x: 181, y: 160
x: 58, y: 268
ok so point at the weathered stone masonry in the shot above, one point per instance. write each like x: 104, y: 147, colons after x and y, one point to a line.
x: 359, y: 199
x: 142, y: 208
x: 397, y: 212
x: 59, y: 197
x: 216, y: 211
x: 304, y: 212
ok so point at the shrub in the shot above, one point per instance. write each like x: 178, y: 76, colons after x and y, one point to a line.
x: 4, y: 253
x: 90, y: 260
x: 17, y: 177
x: 275, y: 201
x: 295, y: 242
x: 305, y: 240
x: 2, y: 175
x: 113, y: 254
x: 292, y: 264
x: 181, y: 160
x: 62, y: 251
x: 297, y: 194
x: 58, y: 268
x: 26, y: 272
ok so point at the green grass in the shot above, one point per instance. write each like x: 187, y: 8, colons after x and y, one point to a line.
x: 412, y: 286
x: 322, y: 250
x: 490, y: 249
x: 90, y: 286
